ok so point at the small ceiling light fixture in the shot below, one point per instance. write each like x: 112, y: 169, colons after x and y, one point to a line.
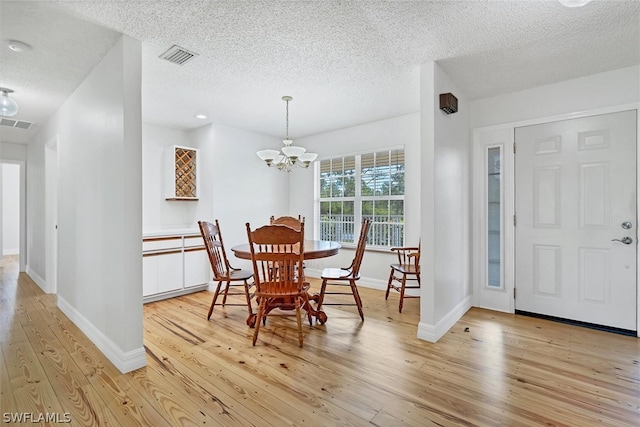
x: 291, y: 155
x: 8, y: 106
x: 201, y: 116
x: 18, y: 46
x: 574, y: 3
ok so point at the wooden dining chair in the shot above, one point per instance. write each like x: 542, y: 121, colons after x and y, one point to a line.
x: 222, y: 270
x: 336, y: 277
x: 407, y: 269
x: 277, y: 252
x: 289, y: 221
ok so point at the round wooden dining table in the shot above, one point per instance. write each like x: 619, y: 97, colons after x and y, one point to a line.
x: 313, y: 249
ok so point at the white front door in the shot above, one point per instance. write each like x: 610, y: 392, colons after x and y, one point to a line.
x: 575, y: 194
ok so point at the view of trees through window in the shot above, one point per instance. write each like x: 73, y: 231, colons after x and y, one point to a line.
x: 363, y: 186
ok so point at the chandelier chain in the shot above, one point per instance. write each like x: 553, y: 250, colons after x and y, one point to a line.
x: 287, y: 119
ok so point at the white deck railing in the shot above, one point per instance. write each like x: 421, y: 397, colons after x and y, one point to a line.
x: 385, y: 230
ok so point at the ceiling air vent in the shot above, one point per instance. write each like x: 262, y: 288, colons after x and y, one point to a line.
x: 178, y: 55
x: 20, y: 124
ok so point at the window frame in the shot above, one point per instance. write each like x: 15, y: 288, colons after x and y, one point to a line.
x: 357, y: 198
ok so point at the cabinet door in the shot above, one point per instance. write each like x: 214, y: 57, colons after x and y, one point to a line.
x: 169, y: 272
x: 197, y: 270
x: 149, y: 275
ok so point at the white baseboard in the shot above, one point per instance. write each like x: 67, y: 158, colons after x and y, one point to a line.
x: 433, y: 333
x: 125, y: 361
x: 166, y: 295
x: 38, y: 280
x: 211, y: 286
x: 15, y: 251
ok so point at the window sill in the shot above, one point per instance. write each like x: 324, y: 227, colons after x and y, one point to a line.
x: 381, y: 249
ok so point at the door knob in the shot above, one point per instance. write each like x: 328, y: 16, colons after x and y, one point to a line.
x: 626, y: 240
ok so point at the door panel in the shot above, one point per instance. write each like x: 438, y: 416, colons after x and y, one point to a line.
x: 575, y: 187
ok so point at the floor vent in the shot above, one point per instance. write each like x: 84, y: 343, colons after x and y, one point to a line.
x: 20, y: 124
x: 178, y: 55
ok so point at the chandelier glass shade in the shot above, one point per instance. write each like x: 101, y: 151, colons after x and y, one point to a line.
x: 8, y: 106
x: 290, y: 155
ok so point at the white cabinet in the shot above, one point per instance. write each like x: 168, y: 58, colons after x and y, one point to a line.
x: 196, y: 268
x: 170, y: 272
x: 173, y: 265
x: 149, y: 275
x: 161, y: 272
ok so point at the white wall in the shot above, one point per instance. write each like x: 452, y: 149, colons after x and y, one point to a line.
x: 100, y: 205
x: 446, y: 201
x: 235, y: 185
x: 244, y: 189
x: 1, y: 211
x: 453, y: 200
x: 10, y: 209
x: 158, y: 213
x: 403, y: 130
x: 238, y: 186
x: 36, y: 262
x: 51, y: 214
x: 608, y: 89
x: 11, y: 151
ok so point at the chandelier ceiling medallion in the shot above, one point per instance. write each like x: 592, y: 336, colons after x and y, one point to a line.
x: 291, y: 155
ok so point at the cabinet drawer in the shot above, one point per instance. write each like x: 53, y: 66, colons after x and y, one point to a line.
x: 161, y: 243
x: 193, y: 241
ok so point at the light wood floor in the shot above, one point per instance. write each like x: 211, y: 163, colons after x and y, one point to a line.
x: 489, y: 369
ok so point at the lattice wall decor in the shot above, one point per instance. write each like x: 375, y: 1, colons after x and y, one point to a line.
x: 185, y: 173
x: 182, y: 168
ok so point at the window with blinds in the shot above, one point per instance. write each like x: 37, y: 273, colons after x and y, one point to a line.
x: 368, y: 185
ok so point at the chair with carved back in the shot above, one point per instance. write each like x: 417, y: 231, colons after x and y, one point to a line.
x: 277, y: 252
x: 336, y: 277
x: 222, y: 270
x: 407, y: 269
x: 289, y: 221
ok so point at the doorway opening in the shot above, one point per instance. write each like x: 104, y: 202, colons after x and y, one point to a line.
x: 10, y: 221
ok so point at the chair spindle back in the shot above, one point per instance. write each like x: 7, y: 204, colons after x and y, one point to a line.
x: 215, y: 247
x: 277, y: 253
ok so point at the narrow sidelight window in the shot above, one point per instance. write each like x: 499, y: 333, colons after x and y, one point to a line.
x: 494, y: 217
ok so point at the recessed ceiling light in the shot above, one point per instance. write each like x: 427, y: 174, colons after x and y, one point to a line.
x: 201, y: 116
x: 18, y: 46
x: 574, y: 3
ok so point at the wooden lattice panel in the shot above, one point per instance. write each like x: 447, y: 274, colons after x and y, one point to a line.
x: 185, y: 172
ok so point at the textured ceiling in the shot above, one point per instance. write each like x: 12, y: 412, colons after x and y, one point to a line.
x: 344, y: 62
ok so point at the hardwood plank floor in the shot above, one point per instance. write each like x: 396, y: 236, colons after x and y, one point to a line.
x: 490, y: 369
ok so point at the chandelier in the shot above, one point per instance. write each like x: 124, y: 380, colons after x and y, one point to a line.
x: 291, y: 155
